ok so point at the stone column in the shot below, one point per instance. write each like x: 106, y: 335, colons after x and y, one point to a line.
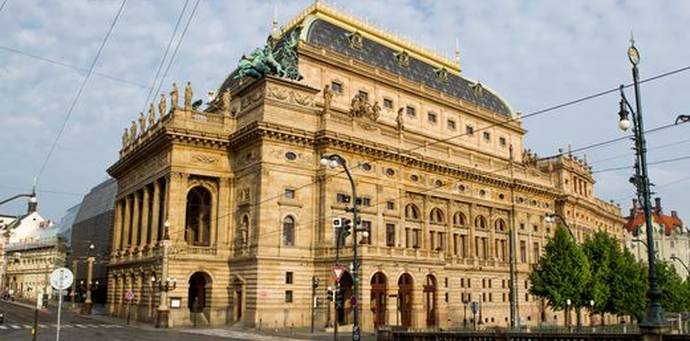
x: 144, y: 217
x: 220, y: 235
x: 176, y: 200
x: 117, y: 226
x: 155, y: 217
x: 136, y: 219
x: 126, y: 228
x: 88, y: 304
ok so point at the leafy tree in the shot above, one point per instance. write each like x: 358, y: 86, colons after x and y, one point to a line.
x: 602, y: 251
x: 563, y: 273
x: 627, y: 286
x: 674, y: 294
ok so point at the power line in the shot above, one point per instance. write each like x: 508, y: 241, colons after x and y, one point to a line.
x: 73, y: 67
x: 619, y: 156
x: 675, y: 159
x: 177, y: 47
x: 81, y: 89
x: 165, y: 55
x: 3, y: 5
x: 28, y: 190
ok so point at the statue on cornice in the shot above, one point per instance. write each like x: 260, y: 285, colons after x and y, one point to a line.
x: 125, y: 138
x: 162, y: 106
x: 152, y: 115
x: 133, y: 131
x: 188, y: 95
x: 174, y: 96
x: 360, y: 107
x: 142, y: 121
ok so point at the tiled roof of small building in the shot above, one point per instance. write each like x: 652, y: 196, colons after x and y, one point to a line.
x: 637, y: 219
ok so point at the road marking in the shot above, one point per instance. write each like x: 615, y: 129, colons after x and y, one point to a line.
x: 92, y: 325
x: 117, y: 326
x: 27, y: 326
x: 63, y: 326
x: 3, y: 327
x: 42, y: 326
x: 14, y: 326
x: 80, y: 326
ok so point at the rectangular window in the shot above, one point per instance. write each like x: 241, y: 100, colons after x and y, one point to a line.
x: 441, y: 241
x: 288, y: 296
x: 390, y: 205
x: 390, y: 235
x: 526, y: 297
x: 462, y: 282
x: 483, y: 283
x: 288, y: 277
x: 504, y: 297
x: 487, y: 136
x: 337, y: 87
x: 432, y: 117
x: 469, y: 283
x: 342, y: 198
x: 416, y: 240
x: 536, y: 252
x: 388, y: 103
x: 364, y: 201
x: 522, y: 226
x: 411, y: 111
x: 407, y: 238
x: 463, y: 246
x: 491, y: 297
x: 431, y: 240
x: 363, y: 95
x: 289, y: 193
x: 366, y: 226
x: 455, y: 244
x: 490, y: 283
x: 523, y: 251
x: 451, y: 124
x: 502, y: 141
x: 469, y: 130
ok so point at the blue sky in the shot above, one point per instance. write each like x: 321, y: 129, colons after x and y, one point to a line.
x: 534, y: 53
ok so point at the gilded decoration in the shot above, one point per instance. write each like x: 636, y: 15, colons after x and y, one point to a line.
x: 355, y: 39
x: 403, y: 58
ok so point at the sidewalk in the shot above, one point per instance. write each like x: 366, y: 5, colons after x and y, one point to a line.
x: 296, y: 334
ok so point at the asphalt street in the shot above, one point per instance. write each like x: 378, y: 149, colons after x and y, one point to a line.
x: 74, y: 327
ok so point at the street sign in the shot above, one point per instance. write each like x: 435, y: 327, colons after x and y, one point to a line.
x: 475, y: 307
x: 353, y: 301
x: 356, y: 333
x: 129, y: 295
x: 338, y: 271
x: 61, y: 278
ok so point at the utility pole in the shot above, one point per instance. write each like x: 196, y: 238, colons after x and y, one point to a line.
x: 514, y: 313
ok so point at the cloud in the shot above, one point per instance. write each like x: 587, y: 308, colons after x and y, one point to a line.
x: 536, y: 54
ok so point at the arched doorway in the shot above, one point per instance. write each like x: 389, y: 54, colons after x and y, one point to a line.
x: 344, y: 313
x: 405, y: 300
x: 199, y: 284
x: 430, y: 300
x: 378, y: 298
x: 238, y: 298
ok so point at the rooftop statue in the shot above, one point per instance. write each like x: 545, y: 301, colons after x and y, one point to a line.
x: 125, y: 138
x: 275, y: 58
x: 188, y: 95
x: 133, y: 131
x: 174, y: 96
x: 152, y: 116
x: 162, y: 106
x: 142, y: 121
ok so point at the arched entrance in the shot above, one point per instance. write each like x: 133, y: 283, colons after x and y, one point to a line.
x: 430, y: 300
x: 344, y: 313
x: 199, y: 285
x: 378, y: 298
x: 238, y: 298
x: 405, y: 300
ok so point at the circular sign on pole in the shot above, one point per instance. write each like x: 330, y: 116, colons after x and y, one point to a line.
x: 129, y: 295
x: 61, y: 278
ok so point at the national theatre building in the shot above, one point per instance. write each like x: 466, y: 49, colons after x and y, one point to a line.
x: 224, y: 213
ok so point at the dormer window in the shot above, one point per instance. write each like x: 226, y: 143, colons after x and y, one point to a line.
x: 388, y: 103
x: 337, y: 87
x: 451, y: 125
x: 487, y: 136
x: 403, y: 58
x: 355, y: 39
x: 441, y: 75
x: 469, y: 130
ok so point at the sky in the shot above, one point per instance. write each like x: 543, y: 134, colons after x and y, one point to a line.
x: 536, y: 54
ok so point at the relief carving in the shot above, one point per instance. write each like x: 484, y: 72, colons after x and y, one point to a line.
x: 207, y: 159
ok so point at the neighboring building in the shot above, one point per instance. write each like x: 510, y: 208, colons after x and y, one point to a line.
x: 5, y: 221
x: 33, y: 252
x: 249, y: 206
x: 671, y: 237
x: 93, y: 226
x: 64, y: 226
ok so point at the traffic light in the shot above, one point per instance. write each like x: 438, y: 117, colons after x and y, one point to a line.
x: 346, y: 226
x: 329, y: 294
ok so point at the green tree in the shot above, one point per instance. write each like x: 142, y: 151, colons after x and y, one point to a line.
x: 563, y: 273
x: 602, y: 251
x: 674, y: 294
x: 627, y: 286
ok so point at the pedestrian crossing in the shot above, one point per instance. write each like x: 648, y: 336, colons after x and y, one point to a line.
x: 12, y: 326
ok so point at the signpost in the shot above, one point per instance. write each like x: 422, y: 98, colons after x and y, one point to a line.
x: 474, y: 306
x: 129, y: 296
x: 60, y: 279
x: 338, y: 271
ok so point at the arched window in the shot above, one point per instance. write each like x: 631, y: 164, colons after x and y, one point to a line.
x: 289, y: 231
x: 198, y: 217
x: 459, y: 219
x: 480, y: 222
x: 243, y: 236
x: 436, y: 216
x: 411, y: 212
x: 500, y: 225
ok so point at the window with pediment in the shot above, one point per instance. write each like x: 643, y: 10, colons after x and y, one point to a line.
x: 412, y: 212
x: 500, y: 225
x: 480, y: 222
x: 459, y: 219
x: 436, y: 216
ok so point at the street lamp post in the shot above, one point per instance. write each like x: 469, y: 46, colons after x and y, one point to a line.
x: 654, y: 317
x: 591, y: 312
x: 681, y: 263
x: 551, y: 218
x: 88, y: 303
x: 333, y: 161
x: 567, y: 312
x: 165, y: 283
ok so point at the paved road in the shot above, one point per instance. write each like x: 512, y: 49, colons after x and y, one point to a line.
x: 74, y: 327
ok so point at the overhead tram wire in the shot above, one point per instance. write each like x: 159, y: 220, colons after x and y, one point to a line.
x: 532, y: 114
x: 177, y: 47
x: 27, y: 190
x: 3, y: 5
x: 165, y: 55
x: 675, y: 159
x: 620, y: 156
x: 81, y: 89
x: 73, y: 67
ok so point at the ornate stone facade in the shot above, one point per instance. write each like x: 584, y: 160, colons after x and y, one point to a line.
x: 249, y: 207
